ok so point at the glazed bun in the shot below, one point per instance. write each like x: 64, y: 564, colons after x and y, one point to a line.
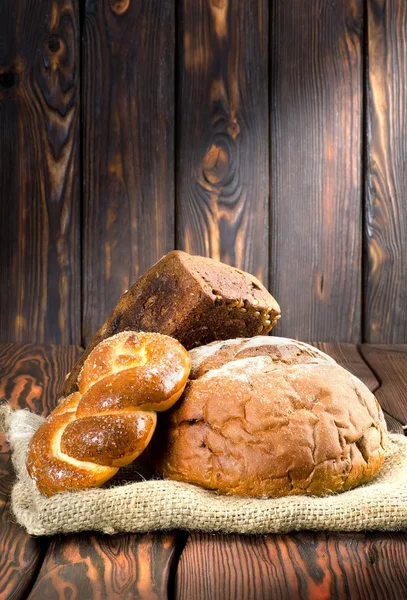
x: 124, y: 382
x: 270, y: 417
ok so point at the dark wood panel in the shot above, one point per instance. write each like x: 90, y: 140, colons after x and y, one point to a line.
x: 316, y: 124
x: 39, y: 171
x: 30, y: 377
x: 94, y: 566
x: 390, y: 366
x: 20, y: 554
x: 223, y: 130
x: 128, y: 139
x: 300, y: 565
x: 386, y: 183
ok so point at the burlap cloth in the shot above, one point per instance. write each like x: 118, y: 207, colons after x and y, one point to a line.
x: 162, y: 505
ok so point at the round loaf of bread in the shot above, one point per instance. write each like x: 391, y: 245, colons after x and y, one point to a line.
x: 270, y: 417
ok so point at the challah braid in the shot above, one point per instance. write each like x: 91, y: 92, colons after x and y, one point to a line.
x: 110, y: 421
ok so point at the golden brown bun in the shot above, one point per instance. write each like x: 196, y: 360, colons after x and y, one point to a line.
x: 193, y: 299
x: 110, y: 421
x: 270, y: 417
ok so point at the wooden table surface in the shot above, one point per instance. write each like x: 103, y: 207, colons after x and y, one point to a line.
x: 194, y: 565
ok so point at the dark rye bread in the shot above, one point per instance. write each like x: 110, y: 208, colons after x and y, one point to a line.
x: 194, y: 299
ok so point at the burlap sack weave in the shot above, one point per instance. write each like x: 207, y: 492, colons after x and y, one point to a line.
x: 163, y: 505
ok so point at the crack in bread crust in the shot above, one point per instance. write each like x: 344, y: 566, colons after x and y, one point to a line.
x: 279, y: 420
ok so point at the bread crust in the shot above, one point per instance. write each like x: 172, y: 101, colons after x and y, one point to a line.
x: 270, y: 417
x: 193, y: 299
x: 110, y: 421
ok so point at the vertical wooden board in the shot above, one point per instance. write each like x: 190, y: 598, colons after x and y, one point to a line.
x: 123, y: 566
x: 316, y: 155
x: 385, y: 316
x: 128, y: 131
x: 30, y: 377
x: 328, y: 566
x: 39, y: 171
x: 222, y: 166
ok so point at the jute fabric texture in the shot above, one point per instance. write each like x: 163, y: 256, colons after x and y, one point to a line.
x: 153, y: 505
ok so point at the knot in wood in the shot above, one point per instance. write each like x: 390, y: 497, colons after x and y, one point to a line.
x: 7, y: 80
x: 119, y: 7
x: 233, y: 129
x: 54, y: 44
x: 215, y: 165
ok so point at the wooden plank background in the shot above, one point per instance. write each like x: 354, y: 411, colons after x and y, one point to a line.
x: 40, y: 171
x: 269, y: 135
x: 316, y: 111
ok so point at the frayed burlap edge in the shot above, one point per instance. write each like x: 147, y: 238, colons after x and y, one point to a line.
x: 163, y: 505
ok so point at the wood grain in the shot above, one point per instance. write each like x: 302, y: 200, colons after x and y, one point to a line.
x: 121, y: 566
x: 128, y: 139
x: 39, y: 168
x: 20, y: 554
x: 327, y: 566
x: 30, y: 377
x: 222, y: 177
x: 390, y: 366
x: 316, y: 119
x: 385, y: 315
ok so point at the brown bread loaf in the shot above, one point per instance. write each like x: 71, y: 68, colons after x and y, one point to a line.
x: 270, y: 417
x: 196, y: 300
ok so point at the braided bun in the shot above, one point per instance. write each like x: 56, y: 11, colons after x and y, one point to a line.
x: 110, y: 421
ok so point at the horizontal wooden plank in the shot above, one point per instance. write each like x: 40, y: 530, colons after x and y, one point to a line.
x: 39, y: 171
x: 327, y: 566
x: 20, y: 554
x: 106, y: 567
